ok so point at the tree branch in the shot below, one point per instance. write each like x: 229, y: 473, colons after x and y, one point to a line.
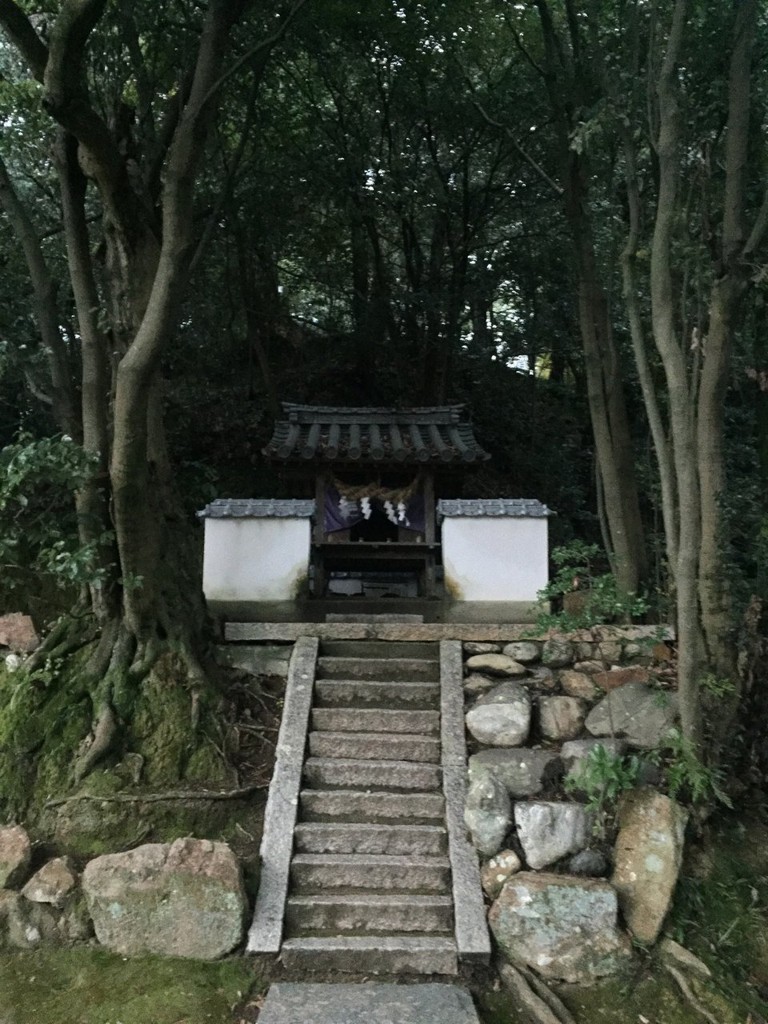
x: 526, y: 156
x: 46, y: 311
x: 261, y: 49
x: 22, y: 34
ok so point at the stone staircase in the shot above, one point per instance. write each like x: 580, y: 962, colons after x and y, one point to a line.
x: 373, y: 869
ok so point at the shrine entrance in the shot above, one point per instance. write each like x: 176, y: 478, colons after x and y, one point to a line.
x: 375, y: 474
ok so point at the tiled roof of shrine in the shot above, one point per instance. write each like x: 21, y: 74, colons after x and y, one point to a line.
x: 258, y: 508
x: 339, y: 434
x: 518, y: 508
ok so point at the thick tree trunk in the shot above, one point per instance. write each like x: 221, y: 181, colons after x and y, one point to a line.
x: 566, y: 85
x: 731, y: 277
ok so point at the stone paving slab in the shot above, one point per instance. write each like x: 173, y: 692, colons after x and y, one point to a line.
x: 367, y: 1004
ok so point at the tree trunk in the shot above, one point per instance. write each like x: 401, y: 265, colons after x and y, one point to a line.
x: 681, y: 404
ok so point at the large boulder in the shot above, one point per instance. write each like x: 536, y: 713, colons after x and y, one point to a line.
x: 564, y: 928
x: 487, y: 814
x: 641, y: 714
x: 549, y: 831
x: 561, y: 718
x: 181, y: 899
x: 521, y: 770
x: 647, y: 859
x: 15, y: 855
x: 502, y: 717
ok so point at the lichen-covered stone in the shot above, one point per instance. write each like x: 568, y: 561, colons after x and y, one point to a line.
x: 563, y: 928
x: 25, y: 925
x: 522, y: 770
x: 609, y: 651
x: 487, y: 814
x: 495, y: 665
x: 589, y: 667
x: 475, y: 684
x: 495, y: 873
x: 53, y: 883
x: 541, y: 678
x: 17, y: 631
x: 557, y: 653
x: 138, y: 899
x: 15, y: 855
x: 578, y: 684
x: 647, y: 859
x: 502, y: 717
x: 588, y: 863
x: 480, y: 647
x: 524, y: 651
x: 561, y: 718
x: 641, y: 714
x: 621, y: 676
x: 550, y: 830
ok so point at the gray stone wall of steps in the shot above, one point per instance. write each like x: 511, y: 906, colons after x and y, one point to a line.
x: 370, y: 859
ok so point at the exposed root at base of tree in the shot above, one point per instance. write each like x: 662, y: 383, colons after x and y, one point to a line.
x: 685, y: 988
x: 534, y: 996
x: 152, y: 798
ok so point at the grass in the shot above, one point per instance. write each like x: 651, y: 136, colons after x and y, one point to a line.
x: 89, y: 986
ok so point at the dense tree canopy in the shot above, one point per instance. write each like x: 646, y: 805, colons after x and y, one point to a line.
x: 553, y: 211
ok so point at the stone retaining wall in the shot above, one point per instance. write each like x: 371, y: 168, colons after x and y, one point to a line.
x: 535, y: 708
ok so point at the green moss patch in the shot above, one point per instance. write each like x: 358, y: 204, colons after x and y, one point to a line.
x: 95, y: 987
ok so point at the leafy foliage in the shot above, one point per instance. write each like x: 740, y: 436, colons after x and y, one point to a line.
x: 598, y: 595
x: 38, y: 525
x: 602, y: 777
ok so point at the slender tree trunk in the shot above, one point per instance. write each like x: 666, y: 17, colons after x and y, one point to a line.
x: 681, y: 401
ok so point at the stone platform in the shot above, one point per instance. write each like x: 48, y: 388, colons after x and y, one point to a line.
x: 367, y: 1004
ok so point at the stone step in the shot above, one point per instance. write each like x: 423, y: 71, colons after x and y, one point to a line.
x: 384, y: 669
x: 372, y: 808
x: 369, y: 915
x: 345, y: 773
x: 345, y: 837
x: 374, y: 746
x: 396, y: 954
x: 379, y: 649
x: 373, y: 693
x: 372, y: 1002
x: 387, y: 617
x: 323, y: 873
x: 388, y: 720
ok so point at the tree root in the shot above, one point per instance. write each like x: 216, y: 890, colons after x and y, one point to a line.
x: 100, y: 741
x: 536, y: 998
x: 153, y: 798
x: 67, y: 635
x: 685, y: 988
x: 543, y: 991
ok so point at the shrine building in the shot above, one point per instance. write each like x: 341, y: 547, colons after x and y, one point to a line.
x: 374, y: 519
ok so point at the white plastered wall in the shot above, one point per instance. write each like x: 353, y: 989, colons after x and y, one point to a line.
x: 495, y: 558
x: 255, y: 559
